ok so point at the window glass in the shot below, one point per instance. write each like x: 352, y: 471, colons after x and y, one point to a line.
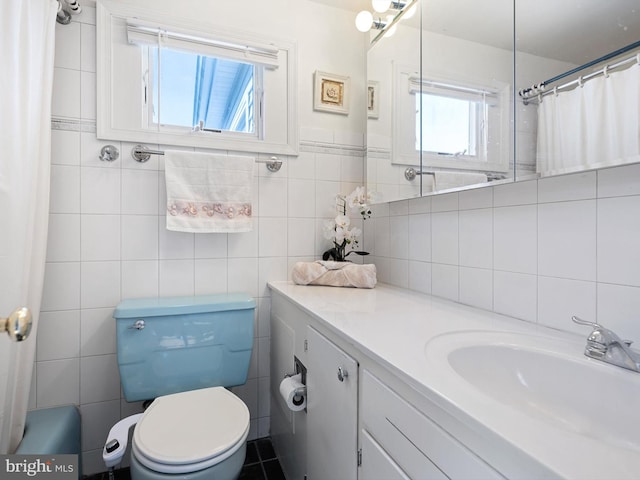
x: 450, y: 126
x: 216, y: 93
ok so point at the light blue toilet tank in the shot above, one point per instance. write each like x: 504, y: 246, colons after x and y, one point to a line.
x: 175, y: 344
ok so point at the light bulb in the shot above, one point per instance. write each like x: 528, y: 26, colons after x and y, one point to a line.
x: 381, y: 6
x: 390, y: 31
x: 364, y: 20
x: 410, y: 13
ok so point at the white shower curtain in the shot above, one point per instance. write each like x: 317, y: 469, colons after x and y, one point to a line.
x: 592, y: 126
x: 27, y: 36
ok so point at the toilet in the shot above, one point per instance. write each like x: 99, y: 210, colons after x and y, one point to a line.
x: 181, y: 353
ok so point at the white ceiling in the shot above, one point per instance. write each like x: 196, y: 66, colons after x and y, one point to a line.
x: 575, y: 31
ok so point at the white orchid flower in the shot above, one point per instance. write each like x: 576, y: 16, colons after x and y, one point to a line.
x: 342, y: 221
x: 355, y: 233
x: 329, y: 230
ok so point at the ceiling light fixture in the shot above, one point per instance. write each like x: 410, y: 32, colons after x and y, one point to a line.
x: 366, y: 21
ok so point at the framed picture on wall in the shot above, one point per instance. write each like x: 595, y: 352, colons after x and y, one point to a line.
x: 331, y: 93
x: 373, y: 101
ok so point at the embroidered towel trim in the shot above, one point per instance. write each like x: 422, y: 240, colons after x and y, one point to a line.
x: 208, y: 193
x: 335, y: 274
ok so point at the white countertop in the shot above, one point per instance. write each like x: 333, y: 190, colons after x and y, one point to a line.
x: 393, y: 326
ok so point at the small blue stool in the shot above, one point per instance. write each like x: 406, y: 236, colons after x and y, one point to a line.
x: 52, y: 431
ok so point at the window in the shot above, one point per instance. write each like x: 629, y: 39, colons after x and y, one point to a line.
x: 192, y: 83
x: 188, y: 90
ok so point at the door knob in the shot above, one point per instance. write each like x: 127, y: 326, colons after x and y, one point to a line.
x: 342, y: 374
x: 17, y: 325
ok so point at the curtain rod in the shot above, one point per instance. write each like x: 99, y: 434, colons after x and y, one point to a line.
x: 538, y: 88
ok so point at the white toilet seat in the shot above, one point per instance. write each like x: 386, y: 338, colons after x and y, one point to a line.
x: 190, y: 431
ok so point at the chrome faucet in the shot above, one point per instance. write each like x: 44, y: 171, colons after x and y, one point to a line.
x: 605, y: 345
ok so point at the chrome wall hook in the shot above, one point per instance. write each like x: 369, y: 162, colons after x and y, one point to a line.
x: 273, y: 164
x: 109, y: 153
x: 63, y: 17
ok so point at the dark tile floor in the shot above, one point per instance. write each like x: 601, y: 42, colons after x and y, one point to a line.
x: 260, y: 464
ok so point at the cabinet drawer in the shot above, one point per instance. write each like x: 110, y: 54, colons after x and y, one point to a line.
x: 376, y: 463
x: 415, y: 442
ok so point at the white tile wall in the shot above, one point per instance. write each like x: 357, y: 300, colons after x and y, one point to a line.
x: 539, y: 250
x: 476, y: 287
x: 65, y: 189
x: 420, y: 237
x: 65, y: 147
x: 617, y: 240
x: 476, y: 238
x: 63, y: 242
x: 567, y: 239
x: 108, y: 241
x: 444, y: 238
x: 444, y: 281
x: 60, y: 334
x: 515, y: 242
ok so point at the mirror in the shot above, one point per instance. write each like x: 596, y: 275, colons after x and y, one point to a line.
x: 392, y: 58
x: 444, y: 113
x: 469, y: 47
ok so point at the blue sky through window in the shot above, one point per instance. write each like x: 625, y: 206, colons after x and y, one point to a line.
x: 194, y: 87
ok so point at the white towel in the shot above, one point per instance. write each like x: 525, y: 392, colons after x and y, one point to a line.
x: 208, y: 193
x: 334, y: 274
x: 446, y: 180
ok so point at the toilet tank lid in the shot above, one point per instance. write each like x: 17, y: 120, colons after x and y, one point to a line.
x: 157, y: 307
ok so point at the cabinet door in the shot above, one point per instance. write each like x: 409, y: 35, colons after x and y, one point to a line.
x: 332, y: 402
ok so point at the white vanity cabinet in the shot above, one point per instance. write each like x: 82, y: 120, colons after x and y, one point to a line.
x: 356, y: 426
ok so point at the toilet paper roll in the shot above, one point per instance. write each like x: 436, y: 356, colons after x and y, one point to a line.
x: 294, y: 392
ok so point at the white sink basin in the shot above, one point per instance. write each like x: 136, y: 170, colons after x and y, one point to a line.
x: 545, y: 379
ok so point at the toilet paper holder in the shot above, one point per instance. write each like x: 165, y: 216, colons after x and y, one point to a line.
x: 293, y: 388
x: 299, y: 368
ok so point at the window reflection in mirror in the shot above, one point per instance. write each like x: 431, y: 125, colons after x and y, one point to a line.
x: 193, y: 88
x: 464, y: 126
x: 449, y: 125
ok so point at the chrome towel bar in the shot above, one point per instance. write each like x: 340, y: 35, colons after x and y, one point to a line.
x: 142, y: 153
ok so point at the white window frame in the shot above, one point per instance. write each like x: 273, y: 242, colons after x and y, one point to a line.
x: 259, y: 118
x: 120, y: 79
